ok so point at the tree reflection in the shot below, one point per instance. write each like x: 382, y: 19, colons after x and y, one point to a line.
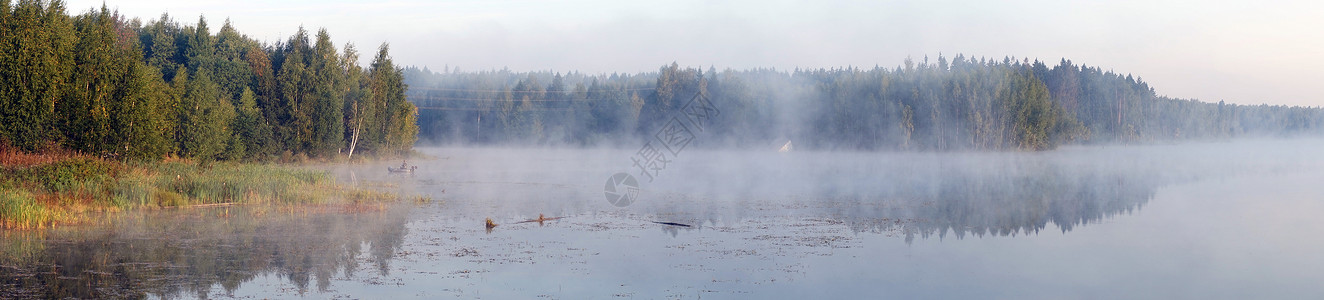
x: 177, y: 253
x: 924, y: 195
x: 993, y: 201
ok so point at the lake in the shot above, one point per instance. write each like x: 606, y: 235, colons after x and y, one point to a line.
x: 1230, y: 219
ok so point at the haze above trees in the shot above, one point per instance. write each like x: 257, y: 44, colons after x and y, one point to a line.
x: 963, y: 103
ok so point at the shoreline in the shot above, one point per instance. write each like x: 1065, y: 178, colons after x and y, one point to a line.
x: 43, y: 190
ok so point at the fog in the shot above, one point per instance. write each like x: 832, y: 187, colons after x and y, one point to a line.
x: 1119, y: 221
x: 962, y: 193
x: 937, y: 103
x: 784, y: 149
x: 949, y: 224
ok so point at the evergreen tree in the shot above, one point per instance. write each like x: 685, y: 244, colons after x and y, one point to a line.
x: 228, y: 97
x: 206, y: 115
x: 102, y: 60
x: 251, y: 129
x: 36, y: 63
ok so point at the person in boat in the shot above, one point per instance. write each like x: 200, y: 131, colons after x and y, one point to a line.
x: 404, y: 168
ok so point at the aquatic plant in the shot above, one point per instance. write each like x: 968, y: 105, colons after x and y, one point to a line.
x: 20, y: 209
x: 48, y: 191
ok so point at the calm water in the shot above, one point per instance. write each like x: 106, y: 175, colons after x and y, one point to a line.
x: 1208, y: 220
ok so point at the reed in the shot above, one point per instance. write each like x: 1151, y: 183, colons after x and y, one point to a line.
x: 22, y: 210
x: 40, y: 191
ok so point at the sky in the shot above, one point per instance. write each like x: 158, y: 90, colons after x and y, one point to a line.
x: 1247, y: 52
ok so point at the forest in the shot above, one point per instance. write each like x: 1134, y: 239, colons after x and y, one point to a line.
x: 128, y: 89
x: 956, y: 104
x: 99, y: 84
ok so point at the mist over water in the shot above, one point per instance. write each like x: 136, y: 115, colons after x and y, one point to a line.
x: 1070, y: 186
x: 1006, y: 170
x: 925, y: 224
x: 1193, y: 220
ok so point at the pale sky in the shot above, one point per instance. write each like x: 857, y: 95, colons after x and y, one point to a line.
x: 1247, y: 52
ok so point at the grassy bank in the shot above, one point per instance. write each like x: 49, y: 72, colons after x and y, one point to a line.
x: 42, y: 190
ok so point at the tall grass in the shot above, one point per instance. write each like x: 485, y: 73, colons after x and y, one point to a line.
x: 58, y: 191
x: 229, y: 183
x: 20, y: 209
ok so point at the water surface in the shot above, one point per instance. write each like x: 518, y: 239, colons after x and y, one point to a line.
x: 1204, y: 220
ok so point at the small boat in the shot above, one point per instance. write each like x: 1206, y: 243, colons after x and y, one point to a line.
x: 402, y: 169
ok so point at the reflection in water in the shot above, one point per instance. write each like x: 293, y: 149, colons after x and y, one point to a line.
x: 962, y: 202
x: 766, y: 223
x: 172, y: 253
x: 925, y: 195
x: 915, y: 195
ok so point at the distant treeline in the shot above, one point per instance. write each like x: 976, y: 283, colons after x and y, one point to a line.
x: 100, y: 84
x: 958, y: 104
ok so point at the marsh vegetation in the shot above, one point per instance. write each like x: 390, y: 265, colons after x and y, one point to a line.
x: 48, y: 190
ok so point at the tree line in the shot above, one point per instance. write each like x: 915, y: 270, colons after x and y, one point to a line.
x: 941, y: 105
x: 101, y: 84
